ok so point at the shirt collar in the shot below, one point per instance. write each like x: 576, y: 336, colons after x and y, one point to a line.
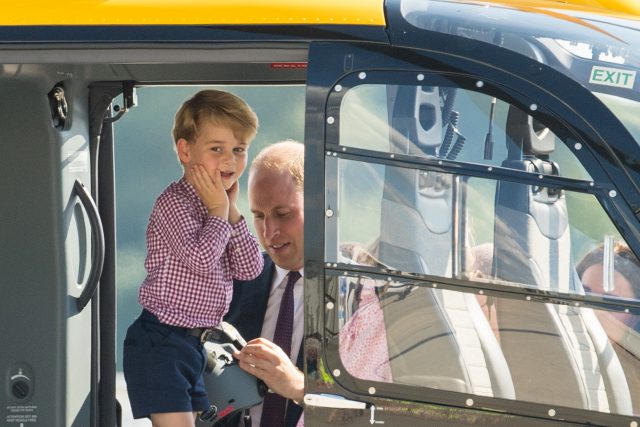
x: 281, y: 273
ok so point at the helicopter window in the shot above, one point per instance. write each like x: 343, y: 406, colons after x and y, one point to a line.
x: 448, y: 123
x: 408, y: 219
x: 444, y: 339
x: 475, y: 247
x: 403, y: 219
x: 626, y: 110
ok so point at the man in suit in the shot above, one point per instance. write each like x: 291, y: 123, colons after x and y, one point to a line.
x: 276, y: 181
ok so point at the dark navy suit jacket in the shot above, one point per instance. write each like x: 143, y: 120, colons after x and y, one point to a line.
x: 246, y: 313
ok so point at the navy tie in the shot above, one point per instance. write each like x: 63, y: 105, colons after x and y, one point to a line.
x: 273, y: 409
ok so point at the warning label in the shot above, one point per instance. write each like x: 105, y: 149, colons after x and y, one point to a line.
x: 21, y: 414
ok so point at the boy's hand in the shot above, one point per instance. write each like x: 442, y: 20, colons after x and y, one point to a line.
x: 211, y: 191
x: 232, y: 194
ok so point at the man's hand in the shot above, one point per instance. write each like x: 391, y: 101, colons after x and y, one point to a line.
x: 210, y: 190
x: 265, y: 360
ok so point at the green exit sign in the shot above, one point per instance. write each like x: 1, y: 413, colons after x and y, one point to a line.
x: 612, y: 77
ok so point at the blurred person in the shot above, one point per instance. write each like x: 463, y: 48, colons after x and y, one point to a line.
x: 626, y: 274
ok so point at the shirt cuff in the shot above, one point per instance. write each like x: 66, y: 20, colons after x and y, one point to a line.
x: 240, y: 228
x: 220, y: 224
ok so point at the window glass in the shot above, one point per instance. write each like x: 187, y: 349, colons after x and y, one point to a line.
x: 625, y: 110
x: 498, y: 233
x: 448, y: 123
x: 490, y: 345
x: 480, y: 229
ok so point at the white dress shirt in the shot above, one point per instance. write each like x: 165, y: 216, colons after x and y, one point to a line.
x: 271, y: 317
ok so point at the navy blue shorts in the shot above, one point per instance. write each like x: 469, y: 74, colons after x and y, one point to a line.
x: 163, y: 367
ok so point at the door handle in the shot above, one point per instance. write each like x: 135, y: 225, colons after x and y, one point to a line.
x: 97, y: 233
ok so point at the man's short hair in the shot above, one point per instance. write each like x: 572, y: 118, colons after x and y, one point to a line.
x: 284, y: 156
x: 220, y: 108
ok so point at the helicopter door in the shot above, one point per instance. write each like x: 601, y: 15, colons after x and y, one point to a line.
x: 52, y: 250
x: 408, y: 298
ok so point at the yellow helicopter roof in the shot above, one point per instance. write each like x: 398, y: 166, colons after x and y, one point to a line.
x: 192, y: 12
x: 246, y: 12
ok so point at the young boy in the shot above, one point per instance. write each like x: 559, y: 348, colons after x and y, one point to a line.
x: 197, y: 244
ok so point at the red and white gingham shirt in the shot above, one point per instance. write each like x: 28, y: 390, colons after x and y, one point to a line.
x: 192, y: 259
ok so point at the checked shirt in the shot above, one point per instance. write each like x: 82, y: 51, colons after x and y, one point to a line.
x: 192, y: 259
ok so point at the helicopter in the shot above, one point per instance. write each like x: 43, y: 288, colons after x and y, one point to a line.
x: 462, y: 157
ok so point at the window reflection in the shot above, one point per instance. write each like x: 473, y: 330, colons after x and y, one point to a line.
x: 489, y: 231
x: 451, y: 226
x: 436, y: 338
x: 447, y: 123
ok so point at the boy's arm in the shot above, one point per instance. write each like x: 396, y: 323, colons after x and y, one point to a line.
x: 232, y: 195
x: 244, y: 253
x: 198, y: 245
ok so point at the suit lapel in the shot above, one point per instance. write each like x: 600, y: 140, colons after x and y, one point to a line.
x: 263, y: 289
x: 248, y: 307
x: 249, y: 302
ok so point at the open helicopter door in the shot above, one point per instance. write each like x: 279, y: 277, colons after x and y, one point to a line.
x: 52, y: 249
x: 375, y: 147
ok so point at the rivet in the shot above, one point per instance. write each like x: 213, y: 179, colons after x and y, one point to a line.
x: 329, y: 305
x: 479, y: 83
x: 338, y: 88
x: 533, y: 107
x: 540, y: 176
x: 328, y: 264
x: 633, y: 424
x: 577, y: 304
x: 490, y: 168
x: 578, y: 146
x: 329, y: 213
x: 330, y: 120
x: 392, y: 155
x: 591, y: 184
x: 440, y: 162
x: 552, y: 412
x: 469, y: 402
x: 626, y: 310
x: 481, y: 292
x: 613, y: 193
x: 434, y: 285
x: 420, y: 77
x: 335, y: 265
x: 344, y: 148
x: 528, y: 298
x: 372, y: 390
x: 362, y: 75
x: 336, y: 372
x: 334, y: 154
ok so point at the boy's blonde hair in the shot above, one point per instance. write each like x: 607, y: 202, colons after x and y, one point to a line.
x: 220, y: 108
x: 285, y: 156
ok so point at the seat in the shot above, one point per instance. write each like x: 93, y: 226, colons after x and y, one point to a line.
x: 557, y: 354
x: 436, y: 338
